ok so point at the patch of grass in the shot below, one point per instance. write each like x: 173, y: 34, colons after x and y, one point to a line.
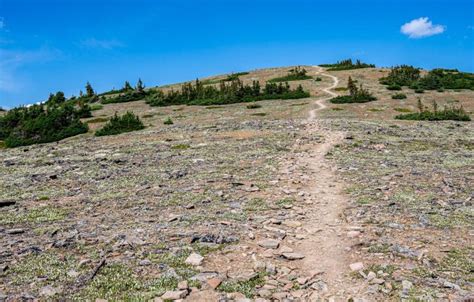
x: 180, y: 147
x: 337, y: 109
x: 375, y: 109
x: 255, y: 205
x: 459, y: 263
x: 44, y: 197
x: 299, y: 104
x: 418, y: 90
x: 282, y: 203
x: 394, y: 87
x: 346, y: 99
x: 254, y: 106
x: 150, y: 115
x: 213, y: 107
x: 118, y: 283
x: 340, y: 89
x: 402, y: 109
x: 98, y: 120
x: 246, y: 288
x: 259, y: 114
x: 175, y: 261
x: 95, y: 107
x: 399, y: 96
x: 36, y: 215
x: 318, y: 79
x: 44, y: 268
x: 379, y: 248
x: 168, y: 121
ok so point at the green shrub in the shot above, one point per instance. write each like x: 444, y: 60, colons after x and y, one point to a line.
x: 347, y: 65
x: 402, y: 110
x: 120, y: 124
x: 399, y: 96
x: 419, y: 90
x: 95, y: 107
x: 436, y: 79
x: 356, y: 95
x: 318, y: 79
x: 254, y: 106
x: 129, y: 96
x: 40, y: 124
x: 235, y: 76
x: 168, y: 121
x: 448, y: 113
x: 294, y: 74
x: 97, y: 120
x: 259, y: 114
x: 394, y: 87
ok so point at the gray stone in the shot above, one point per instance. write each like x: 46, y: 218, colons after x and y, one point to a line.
x: 194, y: 259
x: 269, y: 243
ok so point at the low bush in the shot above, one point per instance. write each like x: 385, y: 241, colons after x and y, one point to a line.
x: 394, y: 87
x: 254, y: 106
x: 130, y: 96
x: 95, y: 107
x: 448, y: 113
x: 120, y: 124
x: 418, y: 90
x: 356, y: 95
x: 399, y: 96
x: 168, y: 121
x: 318, y: 79
x: 294, y: 74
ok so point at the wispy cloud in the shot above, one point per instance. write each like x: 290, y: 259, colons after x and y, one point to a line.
x: 2, y: 23
x: 421, y: 28
x: 101, y: 44
x: 14, y: 60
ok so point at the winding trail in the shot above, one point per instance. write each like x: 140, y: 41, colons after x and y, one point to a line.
x: 326, y: 248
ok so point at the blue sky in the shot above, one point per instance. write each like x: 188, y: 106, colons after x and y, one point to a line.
x: 51, y: 45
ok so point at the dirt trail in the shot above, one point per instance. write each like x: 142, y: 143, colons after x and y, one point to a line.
x: 326, y: 247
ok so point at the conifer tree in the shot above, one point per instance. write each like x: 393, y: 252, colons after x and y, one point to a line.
x: 127, y: 86
x: 140, y: 86
x: 89, y: 91
x: 351, y: 87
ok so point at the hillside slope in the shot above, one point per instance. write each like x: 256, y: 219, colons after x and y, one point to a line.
x: 297, y: 199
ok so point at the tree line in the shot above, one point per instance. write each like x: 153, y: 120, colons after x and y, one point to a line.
x: 346, y: 65
x: 226, y: 93
x: 436, y: 79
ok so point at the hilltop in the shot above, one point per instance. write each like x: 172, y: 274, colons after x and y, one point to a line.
x: 298, y: 199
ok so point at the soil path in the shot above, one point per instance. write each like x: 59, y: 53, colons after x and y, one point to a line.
x: 327, y: 247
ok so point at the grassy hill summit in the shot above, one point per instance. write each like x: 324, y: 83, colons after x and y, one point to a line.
x: 339, y: 181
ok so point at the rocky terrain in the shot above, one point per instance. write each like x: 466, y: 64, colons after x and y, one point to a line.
x: 298, y: 200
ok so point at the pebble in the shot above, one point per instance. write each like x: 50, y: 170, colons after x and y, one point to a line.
x: 15, y: 231
x: 293, y: 256
x: 194, y: 259
x: 214, y: 282
x: 174, y: 295
x: 357, y: 266
x: 269, y: 243
x: 145, y: 262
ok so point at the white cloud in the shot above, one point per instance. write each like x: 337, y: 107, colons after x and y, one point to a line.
x: 104, y: 44
x: 421, y: 28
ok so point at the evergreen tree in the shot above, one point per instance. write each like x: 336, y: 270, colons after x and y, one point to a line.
x: 351, y: 87
x: 140, y: 86
x: 89, y: 91
x: 127, y: 86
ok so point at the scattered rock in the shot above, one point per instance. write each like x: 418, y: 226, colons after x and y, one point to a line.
x: 269, y: 243
x: 214, y: 282
x: 194, y: 259
x: 293, y: 256
x: 48, y: 291
x: 174, y: 295
x: 15, y: 231
x: 145, y: 262
x: 357, y: 266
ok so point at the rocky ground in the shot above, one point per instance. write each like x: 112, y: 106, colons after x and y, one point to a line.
x: 231, y: 203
